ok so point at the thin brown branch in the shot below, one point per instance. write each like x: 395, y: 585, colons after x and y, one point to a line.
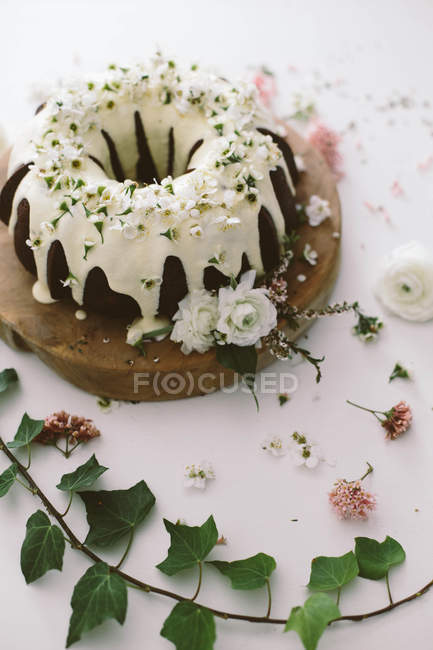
x: 79, y: 546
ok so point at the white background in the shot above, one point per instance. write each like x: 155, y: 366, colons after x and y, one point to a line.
x: 354, y: 58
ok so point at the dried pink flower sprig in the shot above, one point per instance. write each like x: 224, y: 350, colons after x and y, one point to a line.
x: 396, y: 421
x: 350, y: 500
x: 326, y: 141
x: 74, y: 428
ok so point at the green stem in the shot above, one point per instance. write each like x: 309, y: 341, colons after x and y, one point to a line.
x: 200, y: 576
x: 24, y: 485
x: 338, y: 596
x: 268, y: 587
x: 369, y: 470
x: 363, y: 408
x: 29, y: 458
x: 71, y: 496
x: 127, y: 549
x: 388, y: 589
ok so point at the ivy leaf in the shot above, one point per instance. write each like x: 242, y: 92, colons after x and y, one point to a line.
x: 7, y: 377
x: 98, y: 595
x: 43, y: 547
x: 241, y: 359
x: 251, y: 573
x: 329, y: 573
x: 190, y: 627
x: 311, y: 620
x: 7, y: 479
x: 189, y: 545
x: 83, y: 477
x: 376, y: 558
x: 27, y: 431
x: 113, y: 514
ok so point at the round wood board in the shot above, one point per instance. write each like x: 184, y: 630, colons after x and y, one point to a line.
x: 93, y: 354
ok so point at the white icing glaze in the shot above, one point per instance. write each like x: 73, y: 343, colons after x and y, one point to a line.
x: 68, y: 192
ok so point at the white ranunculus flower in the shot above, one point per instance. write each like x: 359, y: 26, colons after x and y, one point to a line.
x: 405, y: 285
x: 195, y: 321
x: 245, y: 313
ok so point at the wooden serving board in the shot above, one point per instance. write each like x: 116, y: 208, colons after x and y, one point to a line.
x: 93, y: 354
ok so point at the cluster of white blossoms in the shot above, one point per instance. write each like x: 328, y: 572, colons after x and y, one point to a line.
x: 405, y: 284
x: 197, y: 475
x: 238, y: 314
x: 300, y: 451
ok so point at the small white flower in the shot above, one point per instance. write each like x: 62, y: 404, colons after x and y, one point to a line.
x: 129, y: 231
x: 405, y: 285
x: 227, y: 222
x: 245, y: 313
x: 48, y: 227
x: 197, y: 475
x: 71, y: 281
x: 317, y: 210
x: 150, y: 283
x: 34, y: 244
x: 196, y: 231
x: 301, y: 277
x: 275, y: 446
x: 309, y: 255
x: 195, y: 321
x: 304, y: 453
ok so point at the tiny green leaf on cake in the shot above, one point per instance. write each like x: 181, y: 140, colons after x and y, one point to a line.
x: 312, y: 619
x: 43, y: 547
x: 251, y: 573
x: 98, y: 595
x: 189, y: 545
x: 190, y: 627
x: 376, y: 558
x: 27, y: 431
x: 7, y: 479
x: 113, y: 514
x: 83, y: 477
x: 7, y: 377
x: 329, y: 573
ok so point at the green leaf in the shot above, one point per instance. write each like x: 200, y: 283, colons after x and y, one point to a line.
x: 399, y: 371
x: 98, y: 595
x: 376, y: 558
x: 27, y: 431
x: 112, y: 514
x: 189, y: 545
x: 329, y: 573
x: 311, y: 620
x: 83, y: 477
x: 43, y: 547
x: 190, y: 627
x: 7, y: 479
x: 242, y: 360
x: 251, y: 573
x: 7, y: 377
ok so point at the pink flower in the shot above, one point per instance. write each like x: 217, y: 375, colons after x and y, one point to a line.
x: 350, y: 500
x: 266, y: 85
x: 62, y: 424
x: 398, y: 420
x: 278, y: 290
x: 326, y: 141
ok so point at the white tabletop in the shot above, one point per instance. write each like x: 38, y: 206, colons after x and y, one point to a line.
x: 360, y: 61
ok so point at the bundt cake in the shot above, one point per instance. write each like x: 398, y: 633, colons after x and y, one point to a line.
x: 130, y: 189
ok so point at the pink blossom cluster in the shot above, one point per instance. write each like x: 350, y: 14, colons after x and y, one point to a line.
x: 60, y: 424
x: 326, y: 141
x: 398, y: 420
x: 350, y: 500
